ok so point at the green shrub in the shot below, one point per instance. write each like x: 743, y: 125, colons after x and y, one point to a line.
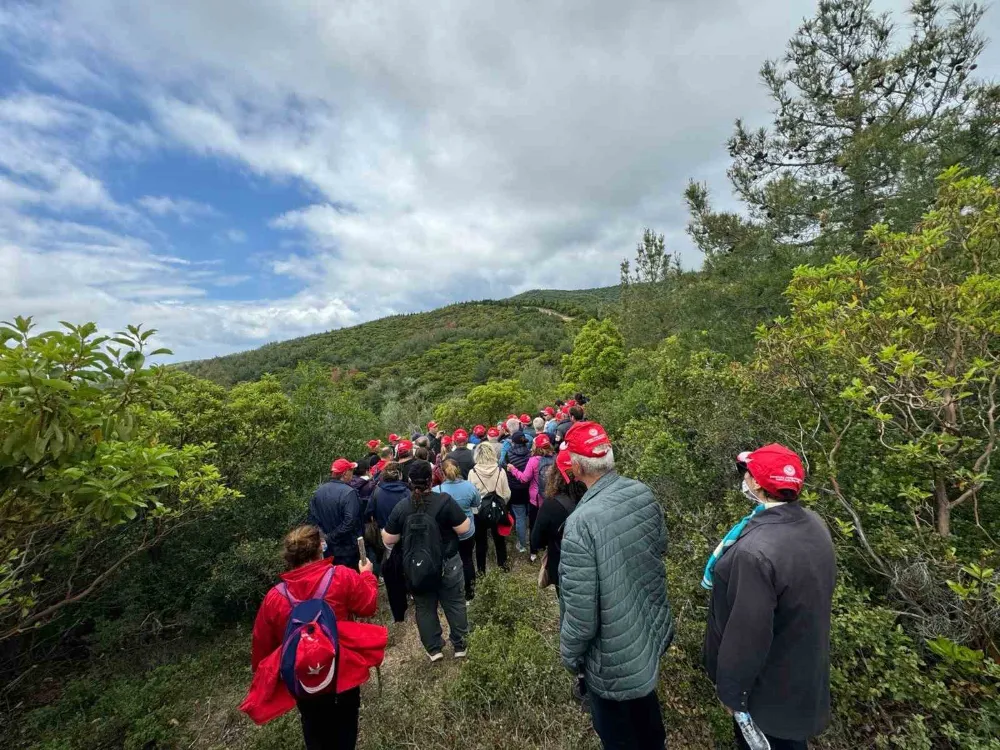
x: 503, y: 601
x: 510, y: 670
x: 239, y: 581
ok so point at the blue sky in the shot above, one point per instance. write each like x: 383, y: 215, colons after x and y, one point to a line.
x: 237, y: 173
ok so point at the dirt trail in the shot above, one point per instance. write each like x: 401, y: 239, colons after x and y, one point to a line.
x: 548, y: 311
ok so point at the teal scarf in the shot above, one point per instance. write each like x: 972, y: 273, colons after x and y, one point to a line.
x: 727, y: 541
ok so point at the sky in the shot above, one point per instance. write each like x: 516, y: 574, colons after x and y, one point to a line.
x: 233, y: 173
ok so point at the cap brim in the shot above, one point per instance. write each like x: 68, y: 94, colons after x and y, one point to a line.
x: 323, y: 685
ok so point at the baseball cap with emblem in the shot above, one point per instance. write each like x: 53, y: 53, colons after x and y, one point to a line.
x: 587, y: 439
x: 315, y: 660
x: 341, y: 465
x: 776, y: 468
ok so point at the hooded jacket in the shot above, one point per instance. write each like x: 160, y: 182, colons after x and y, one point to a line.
x: 336, y: 509
x: 489, y: 479
x: 362, y: 645
x: 529, y: 476
x: 384, y: 499
x: 518, y: 457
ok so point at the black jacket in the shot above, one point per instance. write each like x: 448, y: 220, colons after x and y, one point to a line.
x: 385, y: 497
x: 336, y: 509
x: 464, y: 458
x: 561, y: 429
x: 548, y: 529
x: 767, y: 646
x: 518, y: 455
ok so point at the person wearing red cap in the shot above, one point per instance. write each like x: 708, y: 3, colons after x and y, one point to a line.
x: 393, y: 439
x: 478, y: 435
x: 493, y: 435
x: 518, y: 454
x: 329, y: 719
x: 767, y: 644
x: 461, y: 453
x: 489, y: 478
x: 562, y: 493
x: 336, y: 508
x: 535, y: 474
x: 367, y: 464
x: 616, y: 620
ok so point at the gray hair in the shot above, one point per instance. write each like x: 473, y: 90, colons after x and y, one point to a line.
x: 423, y: 442
x: 513, y: 425
x: 584, y: 466
x: 538, y: 424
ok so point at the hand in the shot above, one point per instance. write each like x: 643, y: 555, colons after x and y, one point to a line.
x: 366, y: 566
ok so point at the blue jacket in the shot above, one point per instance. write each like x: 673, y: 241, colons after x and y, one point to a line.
x: 385, y: 497
x: 467, y: 496
x: 336, y: 509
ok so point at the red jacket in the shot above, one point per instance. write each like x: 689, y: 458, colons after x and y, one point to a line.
x: 362, y: 645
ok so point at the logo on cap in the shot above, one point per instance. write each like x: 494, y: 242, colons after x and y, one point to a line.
x: 789, y: 470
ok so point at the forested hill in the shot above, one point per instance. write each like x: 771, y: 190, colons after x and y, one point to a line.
x: 462, y: 344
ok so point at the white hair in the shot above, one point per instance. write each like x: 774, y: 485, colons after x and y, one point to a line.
x: 513, y: 425
x: 539, y: 424
x: 584, y: 466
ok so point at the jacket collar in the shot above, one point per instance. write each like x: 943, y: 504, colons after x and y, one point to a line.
x: 784, y: 513
x: 598, y: 486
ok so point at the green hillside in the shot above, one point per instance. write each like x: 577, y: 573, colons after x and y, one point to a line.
x: 461, y: 344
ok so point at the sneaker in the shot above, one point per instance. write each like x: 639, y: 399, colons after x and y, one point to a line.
x: 460, y: 654
x: 521, y: 549
x: 534, y: 557
x: 436, y: 657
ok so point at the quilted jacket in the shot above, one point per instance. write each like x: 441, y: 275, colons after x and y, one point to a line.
x: 616, y: 620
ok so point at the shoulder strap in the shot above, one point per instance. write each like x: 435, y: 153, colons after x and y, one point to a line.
x: 563, y: 500
x: 324, y: 584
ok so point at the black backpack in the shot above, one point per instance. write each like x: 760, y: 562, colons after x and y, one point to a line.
x: 423, y: 559
x: 492, y: 509
x: 545, y: 464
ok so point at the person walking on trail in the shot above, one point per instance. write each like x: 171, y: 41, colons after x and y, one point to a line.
x: 404, y: 457
x: 512, y: 427
x: 461, y: 453
x: 368, y: 463
x: 390, y: 491
x: 326, y: 673
x: 520, y: 498
x: 573, y: 416
x: 467, y: 496
x: 428, y: 526
x: 433, y: 441
x: 562, y: 493
x: 393, y: 440
x: 336, y: 509
x: 526, y: 426
x: 616, y: 621
x: 767, y: 644
x: 535, y: 473
x: 489, y: 478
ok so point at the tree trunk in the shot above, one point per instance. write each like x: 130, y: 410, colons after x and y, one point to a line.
x: 943, y: 507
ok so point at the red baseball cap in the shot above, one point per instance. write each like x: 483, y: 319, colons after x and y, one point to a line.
x: 511, y: 416
x: 341, y: 465
x: 432, y: 425
x: 493, y: 432
x: 374, y: 444
x: 564, y: 464
x: 393, y: 438
x: 479, y: 430
x: 504, y: 525
x: 587, y: 439
x: 460, y: 434
x: 315, y: 659
x: 446, y: 440
x: 542, y: 440
x: 550, y: 411
x: 776, y: 468
x: 524, y: 419
x: 404, y: 446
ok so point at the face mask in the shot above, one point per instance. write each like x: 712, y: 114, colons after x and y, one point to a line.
x: 749, y: 494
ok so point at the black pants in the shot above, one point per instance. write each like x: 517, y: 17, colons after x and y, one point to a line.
x: 395, y: 584
x: 532, y: 515
x: 483, y: 533
x: 628, y: 725
x: 330, y: 721
x: 776, y: 742
x: 466, y: 548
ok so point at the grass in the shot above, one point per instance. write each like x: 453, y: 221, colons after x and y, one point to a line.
x: 510, y: 693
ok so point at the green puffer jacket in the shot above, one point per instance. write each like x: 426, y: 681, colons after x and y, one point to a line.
x: 616, y: 620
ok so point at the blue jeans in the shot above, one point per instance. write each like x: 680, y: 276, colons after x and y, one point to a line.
x: 521, y: 523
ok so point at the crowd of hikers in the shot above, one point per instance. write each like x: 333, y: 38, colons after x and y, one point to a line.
x: 419, y: 513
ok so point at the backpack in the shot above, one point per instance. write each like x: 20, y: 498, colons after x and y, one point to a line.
x: 310, y: 651
x: 545, y: 464
x: 423, y: 558
x: 492, y: 509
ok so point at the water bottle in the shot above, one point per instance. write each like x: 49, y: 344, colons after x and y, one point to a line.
x: 755, y: 738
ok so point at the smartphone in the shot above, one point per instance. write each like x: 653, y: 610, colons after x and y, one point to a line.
x: 361, y: 550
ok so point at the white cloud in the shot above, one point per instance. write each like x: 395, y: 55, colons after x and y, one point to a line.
x: 185, y: 210
x: 451, y: 149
